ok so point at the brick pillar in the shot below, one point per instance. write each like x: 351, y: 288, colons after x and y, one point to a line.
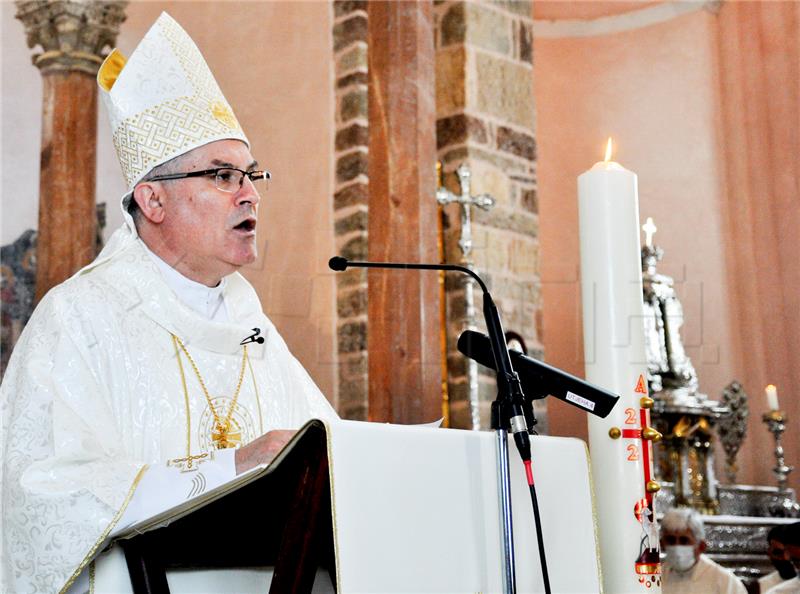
x: 73, y: 35
x: 350, y: 202
x: 485, y: 118
x: 404, y: 350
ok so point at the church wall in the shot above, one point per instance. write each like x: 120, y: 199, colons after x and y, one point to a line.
x: 20, y: 130
x: 273, y: 61
x: 486, y: 120
x: 759, y: 54
x: 703, y: 107
x: 654, y: 90
x: 350, y: 202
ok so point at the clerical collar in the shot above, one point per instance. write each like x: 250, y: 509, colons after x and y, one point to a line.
x: 207, y: 301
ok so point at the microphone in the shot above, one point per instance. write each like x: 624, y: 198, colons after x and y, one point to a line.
x: 508, y: 410
x: 539, y: 379
x: 254, y: 337
x: 337, y: 263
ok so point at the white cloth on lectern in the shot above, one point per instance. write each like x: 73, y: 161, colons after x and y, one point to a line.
x: 704, y: 578
x: 93, y: 394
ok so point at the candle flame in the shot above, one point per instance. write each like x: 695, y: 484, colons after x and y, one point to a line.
x: 609, y: 148
x: 771, y: 387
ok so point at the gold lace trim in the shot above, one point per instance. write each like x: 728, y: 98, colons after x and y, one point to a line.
x: 90, y: 555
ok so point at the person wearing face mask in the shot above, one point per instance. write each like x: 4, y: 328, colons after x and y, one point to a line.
x: 776, y: 550
x: 687, y: 569
x: 791, y: 542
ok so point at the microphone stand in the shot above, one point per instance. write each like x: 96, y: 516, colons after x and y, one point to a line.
x: 508, y: 413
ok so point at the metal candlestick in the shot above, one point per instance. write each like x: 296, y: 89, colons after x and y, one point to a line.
x: 776, y: 423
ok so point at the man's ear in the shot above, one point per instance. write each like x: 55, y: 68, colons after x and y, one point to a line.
x: 149, y: 198
x: 701, y: 547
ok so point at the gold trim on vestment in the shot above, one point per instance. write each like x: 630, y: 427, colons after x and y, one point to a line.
x: 595, y: 521
x: 91, y: 577
x: 90, y: 555
x: 185, y: 399
x: 258, y: 399
x: 328, y: 442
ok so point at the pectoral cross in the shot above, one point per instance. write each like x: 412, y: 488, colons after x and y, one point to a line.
x: 224, y: 438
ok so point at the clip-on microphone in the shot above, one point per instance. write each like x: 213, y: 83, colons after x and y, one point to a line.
x: 254, y: 337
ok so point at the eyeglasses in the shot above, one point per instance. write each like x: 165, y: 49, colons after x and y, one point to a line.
x: 227, y: 179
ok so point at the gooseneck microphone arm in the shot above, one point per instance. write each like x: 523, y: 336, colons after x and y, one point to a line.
x: 339, y: 264
x: 508, y: 412
x: 510, y: 396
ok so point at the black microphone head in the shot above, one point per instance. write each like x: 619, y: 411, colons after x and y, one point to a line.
x: 337, y: 263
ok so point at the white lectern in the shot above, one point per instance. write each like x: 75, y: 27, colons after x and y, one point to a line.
x: 377, y: 508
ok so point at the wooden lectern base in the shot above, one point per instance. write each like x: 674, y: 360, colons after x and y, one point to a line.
x: 282, y: 519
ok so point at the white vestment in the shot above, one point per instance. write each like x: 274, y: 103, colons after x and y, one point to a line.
x: 791, y: 586
x: 93, y: 394
x: 706, y: 577
x: 765, y: 583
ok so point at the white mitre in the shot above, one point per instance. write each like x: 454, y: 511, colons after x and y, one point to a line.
x: 162, y: 103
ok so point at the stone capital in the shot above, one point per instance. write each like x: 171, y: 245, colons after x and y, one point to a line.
x: 75, y: 35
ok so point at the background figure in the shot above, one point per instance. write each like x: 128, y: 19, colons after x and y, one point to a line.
x: 687, y: 569
x: 790, y: 536
x: 776, y: 549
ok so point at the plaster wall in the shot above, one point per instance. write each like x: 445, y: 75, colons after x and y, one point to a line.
x: 654, y: 90
x: 275, y: 68
x: 702, y: 101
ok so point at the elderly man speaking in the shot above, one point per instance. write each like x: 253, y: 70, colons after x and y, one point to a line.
x: 146, y: 369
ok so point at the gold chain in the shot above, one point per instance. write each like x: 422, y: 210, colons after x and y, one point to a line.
x: 221, y: 436
x: 185, y: 399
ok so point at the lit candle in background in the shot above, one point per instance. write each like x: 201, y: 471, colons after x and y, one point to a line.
x: 607, y: 164
x: 772, y: 396
x: 614, y: 351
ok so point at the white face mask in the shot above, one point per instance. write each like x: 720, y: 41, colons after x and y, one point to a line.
x: 681, y: 557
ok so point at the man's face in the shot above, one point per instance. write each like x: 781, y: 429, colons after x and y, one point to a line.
x: 210, y: 231
x: 675, y: 543
x: 776, y: 551
x: 779, y: 556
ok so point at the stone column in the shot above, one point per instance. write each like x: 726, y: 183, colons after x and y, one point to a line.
x: 403, y: 307
x: 73, y: 35
x: 350, y: 203
x: 485, y: 118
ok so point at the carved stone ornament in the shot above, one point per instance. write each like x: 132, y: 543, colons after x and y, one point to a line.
x: 732, y: 428
x: 73, y: 34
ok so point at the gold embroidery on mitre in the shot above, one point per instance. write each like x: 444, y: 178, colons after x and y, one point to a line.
x: 170, y: 125
x: 163, y: 131
x: 109, y: 71
x: 223, y: 114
